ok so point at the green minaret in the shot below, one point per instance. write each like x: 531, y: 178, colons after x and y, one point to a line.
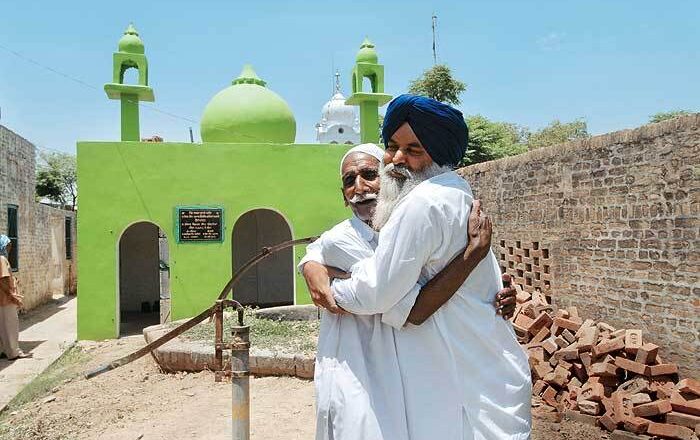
x: 367, y: 66
x: 131, y: 54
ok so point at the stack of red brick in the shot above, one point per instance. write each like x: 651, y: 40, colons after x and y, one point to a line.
x: 609, y: 375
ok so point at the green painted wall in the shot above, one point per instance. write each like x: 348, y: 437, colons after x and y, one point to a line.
x: 125, y: 182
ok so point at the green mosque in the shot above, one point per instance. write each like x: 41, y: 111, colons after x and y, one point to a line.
x: 163, y: 225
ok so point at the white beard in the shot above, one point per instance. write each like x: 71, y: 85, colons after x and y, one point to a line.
x: 393, y: 189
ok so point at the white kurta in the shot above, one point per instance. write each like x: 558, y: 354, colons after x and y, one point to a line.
x: 464, y: 374
x: 359, y: 393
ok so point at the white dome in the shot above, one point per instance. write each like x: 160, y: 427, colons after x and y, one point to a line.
x: 336, y: 111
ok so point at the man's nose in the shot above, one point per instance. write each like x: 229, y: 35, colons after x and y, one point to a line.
x: 399, y: 158
x: 361, y: 186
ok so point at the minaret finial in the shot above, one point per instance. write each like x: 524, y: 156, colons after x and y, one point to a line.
x: 337, y: 82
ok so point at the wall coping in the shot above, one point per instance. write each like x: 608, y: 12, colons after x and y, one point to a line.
x: 649, y: 131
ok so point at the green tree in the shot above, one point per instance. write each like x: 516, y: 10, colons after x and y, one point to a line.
x: 56, y: 178
x: 662, y: 116
x: 558, y: 132
x: 490, y: 140
x: 439, y: 84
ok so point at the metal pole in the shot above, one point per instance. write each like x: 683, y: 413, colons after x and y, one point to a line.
x: 240, y: 381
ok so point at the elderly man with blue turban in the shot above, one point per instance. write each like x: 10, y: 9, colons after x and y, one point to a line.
x: 10, y: 301
x: 359, y: 389
x: 463, y: 372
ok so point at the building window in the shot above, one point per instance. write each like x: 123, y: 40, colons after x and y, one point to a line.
x: 13, y: 235
x: 340, y: 130
x: 69, y: 238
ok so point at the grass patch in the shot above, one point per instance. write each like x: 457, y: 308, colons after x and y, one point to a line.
x: 287, y: 336
x: 65, y: 367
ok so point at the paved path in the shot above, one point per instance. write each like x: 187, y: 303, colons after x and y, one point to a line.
x: 45, y: 332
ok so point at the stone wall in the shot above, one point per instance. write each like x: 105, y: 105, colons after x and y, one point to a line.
x: 43, y: 269
x: 610, y: 225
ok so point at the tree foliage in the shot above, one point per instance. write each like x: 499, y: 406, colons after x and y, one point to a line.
x: 439, y: 84
x: 56, y: 178
x: 490, y: 140
x: 662, y: 116
x: 557, y: 133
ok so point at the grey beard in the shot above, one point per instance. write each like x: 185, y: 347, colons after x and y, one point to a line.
x: 393, y: 189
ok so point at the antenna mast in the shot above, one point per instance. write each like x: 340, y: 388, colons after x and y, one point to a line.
x: 434, y: 45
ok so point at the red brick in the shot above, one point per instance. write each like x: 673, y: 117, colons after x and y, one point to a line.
x: 569, y: 353
x: 549, y: 345
x: 603, y: 369
x: 588, y: 337
x: 542, y: 321
x: 538, y: 387
x: 662, y: 369
x: 593, y: 391
x: 589, y: 407
x: 549, y: 396
x: 586, y: 324
x: 646, y: 354
x: 568, y: 336
x: 632, y: 366
x: 567, y: 324
x: 521, y: 296
x: 633, y: 340
x: 681, y: 404
x: 687, y: 420
x: 541, y: 370
x: 608, y: 422
x: 609, y: 346
x: 622, y: 407
x: 586, y: 361
x: 636, y: 385
x: 640, y: 398
x: 636, y: 425
x: 540, y: 336
x: 523, y: 321
x: 670, y: 431
x: 691, y: 386
x: 561, y: 376
x: 653, y: 408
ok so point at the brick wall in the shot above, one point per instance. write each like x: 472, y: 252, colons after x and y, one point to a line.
x: 43, y: 267
x: 610, y: 225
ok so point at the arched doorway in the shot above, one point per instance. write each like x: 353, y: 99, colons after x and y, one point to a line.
x: 143, y: 278
x: 270, y: 282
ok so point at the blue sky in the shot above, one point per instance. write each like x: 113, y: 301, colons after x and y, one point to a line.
x: 528, y: 62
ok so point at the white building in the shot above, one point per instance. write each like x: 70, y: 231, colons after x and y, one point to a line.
x: 339, y: 122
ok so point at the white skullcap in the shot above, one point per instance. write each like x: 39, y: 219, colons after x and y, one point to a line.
x: 371, y: 149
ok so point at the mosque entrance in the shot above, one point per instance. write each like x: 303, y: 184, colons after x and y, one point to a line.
x: 271, y: 282
x: 144, y: 282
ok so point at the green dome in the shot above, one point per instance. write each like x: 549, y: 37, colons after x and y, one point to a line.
x: 130, y: 42
x: 248, y: 112
x: 367, y: 53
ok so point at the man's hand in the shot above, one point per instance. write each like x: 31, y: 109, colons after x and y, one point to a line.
x: 505, y: 299
x: 318, y: 280
x: 479, y: 230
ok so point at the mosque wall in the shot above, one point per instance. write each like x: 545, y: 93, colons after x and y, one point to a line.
x: 608, y: 224
x: 43, y: 269
x: 122, y: 183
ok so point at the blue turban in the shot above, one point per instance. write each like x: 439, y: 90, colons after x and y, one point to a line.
x: 440, y: 128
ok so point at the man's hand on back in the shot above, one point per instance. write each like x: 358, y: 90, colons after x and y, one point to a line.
x: 318, y: 278
x: 505, y: 299
x: 480, y: 229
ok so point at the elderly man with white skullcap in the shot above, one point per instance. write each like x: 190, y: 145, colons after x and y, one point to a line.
x: 359, y: 388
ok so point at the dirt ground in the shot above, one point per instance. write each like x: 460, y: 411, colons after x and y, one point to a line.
x: 139, y: 402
